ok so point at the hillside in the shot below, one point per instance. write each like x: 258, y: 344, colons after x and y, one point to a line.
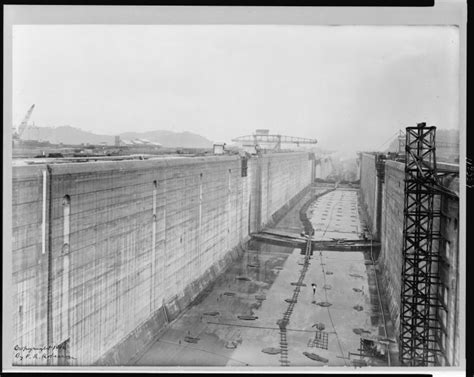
x: 73, y: 135
x: 170, y: 138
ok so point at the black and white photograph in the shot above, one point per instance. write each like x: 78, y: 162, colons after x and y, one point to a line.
x: 194, y: 188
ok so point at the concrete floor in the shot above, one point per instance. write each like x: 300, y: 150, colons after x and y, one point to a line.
x: 258, y: 284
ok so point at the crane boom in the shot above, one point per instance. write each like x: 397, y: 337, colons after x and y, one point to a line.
x: 24, y: 123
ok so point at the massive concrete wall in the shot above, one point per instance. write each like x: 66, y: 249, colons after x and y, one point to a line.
x: 105, y: 254
x: 392, y: 236
x: 368, y: 184
x: 449, y: 274
x: 391, y: 198
x: 276, y: 178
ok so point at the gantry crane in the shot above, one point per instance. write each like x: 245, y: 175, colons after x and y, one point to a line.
x: 263, y: 136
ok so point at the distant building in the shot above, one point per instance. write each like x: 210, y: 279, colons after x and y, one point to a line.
x: 219, y: 148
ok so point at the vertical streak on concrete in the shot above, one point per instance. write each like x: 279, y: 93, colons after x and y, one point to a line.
x: 163, y: 268
x: 378, y: 216
x: 65, y: 301
x: 65, y: 276
x: 258, y: 192
x: 268, y: 198
x: 153, y: 251
x: 229, y: 193
x: 376, y: 207
x: 49, y: 305
x: 199, y: 224
x: 43, y: 224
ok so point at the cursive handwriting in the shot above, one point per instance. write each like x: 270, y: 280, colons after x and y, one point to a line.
x: 39, y: 353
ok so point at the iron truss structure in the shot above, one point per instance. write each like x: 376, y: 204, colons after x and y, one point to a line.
x: 276, y: 140
x: 420, y: 303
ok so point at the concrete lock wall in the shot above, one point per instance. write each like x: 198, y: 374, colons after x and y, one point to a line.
x: 391, y: 259
x: 105, y: 254
x: 275, y: 180
x: 392, y: 236
x: 368, y: 185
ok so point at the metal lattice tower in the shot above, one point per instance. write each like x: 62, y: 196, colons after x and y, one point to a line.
x: 419, y: 326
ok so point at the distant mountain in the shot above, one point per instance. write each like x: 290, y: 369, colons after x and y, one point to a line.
x: 73, y: 135
x: 170, y: 138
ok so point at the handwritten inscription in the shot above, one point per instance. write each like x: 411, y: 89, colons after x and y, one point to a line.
x: 40, y: 353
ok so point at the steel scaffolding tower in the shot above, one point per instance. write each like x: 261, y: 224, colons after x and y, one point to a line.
x: 420, y: 304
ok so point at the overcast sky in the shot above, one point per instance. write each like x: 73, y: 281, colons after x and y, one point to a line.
x: 351, y: 87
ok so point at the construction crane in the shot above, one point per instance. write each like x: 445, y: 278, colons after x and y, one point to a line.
x: 24, y: 123
x: 263, y: 136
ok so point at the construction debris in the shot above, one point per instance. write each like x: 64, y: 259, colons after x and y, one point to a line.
x: 359, y: 363
x: 212, y: 314
x: 191, y: 339
x: 271, y: 350
x: 359, y: 331
x: 247, y: 317
x: 316, y: 357
x: 320, y: 326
